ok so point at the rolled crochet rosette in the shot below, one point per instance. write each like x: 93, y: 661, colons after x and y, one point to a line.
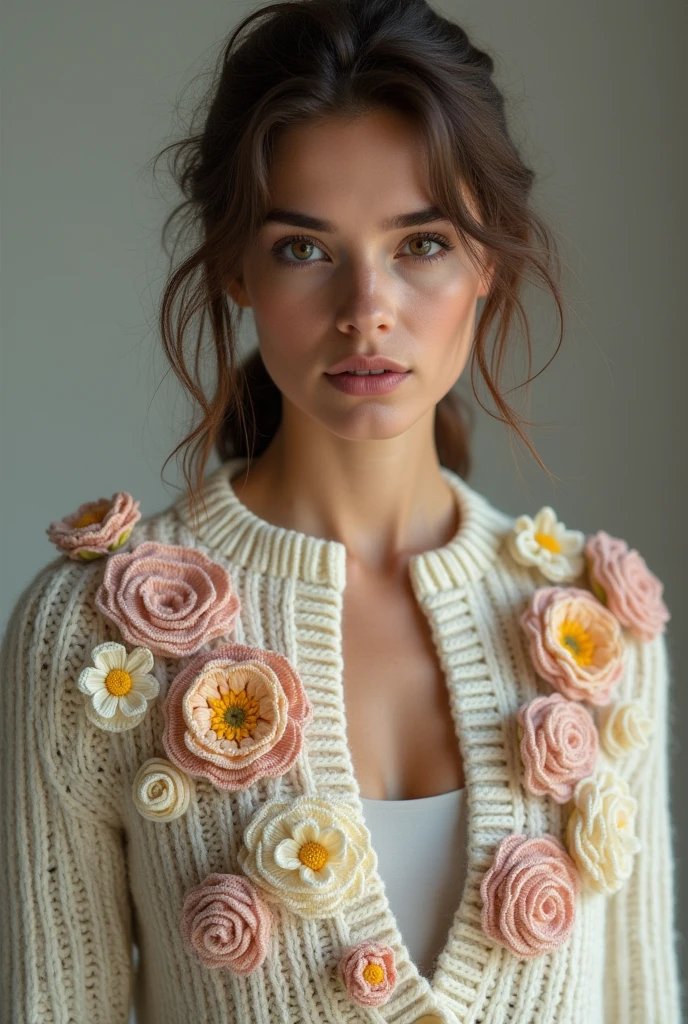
x: 369, y: 973
x: 310, y: 854
x: 529, y: 895
x: 226, y: 923
x: 160, y: 791
x: 621, y: 579
x: 625, y: 726
x: 170, y: 598
x: 96, y: 528
x: 559, y: 746
x: 234, y: 715
x: 600, y: 833
x: 575, y: 643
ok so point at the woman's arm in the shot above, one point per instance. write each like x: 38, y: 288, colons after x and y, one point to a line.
x: 66, y: 913
x: 641, y: 977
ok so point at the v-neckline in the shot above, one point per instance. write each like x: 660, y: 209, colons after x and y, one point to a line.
x: 443, y: 582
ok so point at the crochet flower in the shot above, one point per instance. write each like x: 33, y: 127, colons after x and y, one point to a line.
x: 621, y: 579
x: 529, y: 895
x: 544, y: 541
x: 559, y: 746
x: 625, y: 727
x: 96, y: 528
x: 600, y: 832
x: 119, y: 686
x: 369, y: 973
x: 173, y: 599
x: 160, y: 791
x: 576, y: 644
x: 310, y: 854
x: 225, y: 923
x: 234, y: 715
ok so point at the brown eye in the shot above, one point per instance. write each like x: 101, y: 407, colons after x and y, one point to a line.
x: 423, y: 245
x: 302, y: 249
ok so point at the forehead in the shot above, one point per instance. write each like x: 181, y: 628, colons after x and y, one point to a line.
x: 342, y: 166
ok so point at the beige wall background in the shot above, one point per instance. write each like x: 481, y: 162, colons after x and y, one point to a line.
x: 597, y: 92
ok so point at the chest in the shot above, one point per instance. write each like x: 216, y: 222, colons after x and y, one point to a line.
x: 395, y: 692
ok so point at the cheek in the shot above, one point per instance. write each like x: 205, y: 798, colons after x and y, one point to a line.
x: 444, y: 323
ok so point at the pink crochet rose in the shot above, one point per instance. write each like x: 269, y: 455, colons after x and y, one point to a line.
x: 168, y: 598
x: 575, y: 643
x: 96, y: 528
x: 226, y: 923
x: 559, y: 746
x: 369, y: 973
x: 234, y: 715
x: 529, y: 895
x: 622, y: 581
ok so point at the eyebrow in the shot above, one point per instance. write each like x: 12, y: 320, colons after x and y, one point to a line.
x: 402, y: 220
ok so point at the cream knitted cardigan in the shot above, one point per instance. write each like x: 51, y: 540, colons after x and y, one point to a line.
x: 85, y: 875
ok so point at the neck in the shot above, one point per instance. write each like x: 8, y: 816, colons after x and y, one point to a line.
x: 383, y: 500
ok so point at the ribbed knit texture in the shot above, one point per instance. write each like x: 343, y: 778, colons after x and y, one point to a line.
x: 85, y: 874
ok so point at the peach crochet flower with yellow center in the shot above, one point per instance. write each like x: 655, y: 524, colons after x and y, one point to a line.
x: 621, y: 579
x: 559, y: 746
x: 600, y: 833
x: 575, y: 643
x: 369, y: 973
x: 96, y: 528
x: 171, y: 598
x: 529, y: 895
x: 309, y: 853
x: 234, y: 715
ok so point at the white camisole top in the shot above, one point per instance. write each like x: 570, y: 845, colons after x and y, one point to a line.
x: 421, y: 850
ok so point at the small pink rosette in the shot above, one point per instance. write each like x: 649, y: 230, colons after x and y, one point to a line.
x: 369, y: 973
x: 559, y: 746
x: 226, y: 923
x: 529, y: 895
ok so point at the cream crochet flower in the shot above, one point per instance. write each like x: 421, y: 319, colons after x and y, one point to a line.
x: 545, y: 542
x: 625, y: 726
x: 160, y: 791
x: 600, y: 832
x: 310, y: 854
x: 119, y: 686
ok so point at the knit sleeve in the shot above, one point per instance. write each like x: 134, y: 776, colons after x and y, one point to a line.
x: 641, y: 976
x: 63, y: 886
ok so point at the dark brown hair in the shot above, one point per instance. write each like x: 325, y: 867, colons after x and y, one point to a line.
x: 305, y: 60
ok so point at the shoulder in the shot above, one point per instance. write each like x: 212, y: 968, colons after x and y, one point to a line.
x: 593, y: 620
x: 55, y: 646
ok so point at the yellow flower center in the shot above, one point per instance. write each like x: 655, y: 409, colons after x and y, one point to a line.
x: 373, y: 974
x: 578, y: 641
x: 96, y: 515
x: 313, y: 855
x: 236, y: 715
x: 118, y: 682
x: 546, y: 540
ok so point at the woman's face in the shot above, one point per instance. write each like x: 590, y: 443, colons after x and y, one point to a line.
x: 354, y: 285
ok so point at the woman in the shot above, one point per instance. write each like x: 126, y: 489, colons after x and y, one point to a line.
x: 332, y: 738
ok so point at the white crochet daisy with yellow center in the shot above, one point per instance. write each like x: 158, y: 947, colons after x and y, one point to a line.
x: 544, y: 542
x: 119, y: 686
x: 308, y: 853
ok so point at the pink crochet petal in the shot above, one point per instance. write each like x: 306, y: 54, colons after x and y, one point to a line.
x: 620, y: 577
